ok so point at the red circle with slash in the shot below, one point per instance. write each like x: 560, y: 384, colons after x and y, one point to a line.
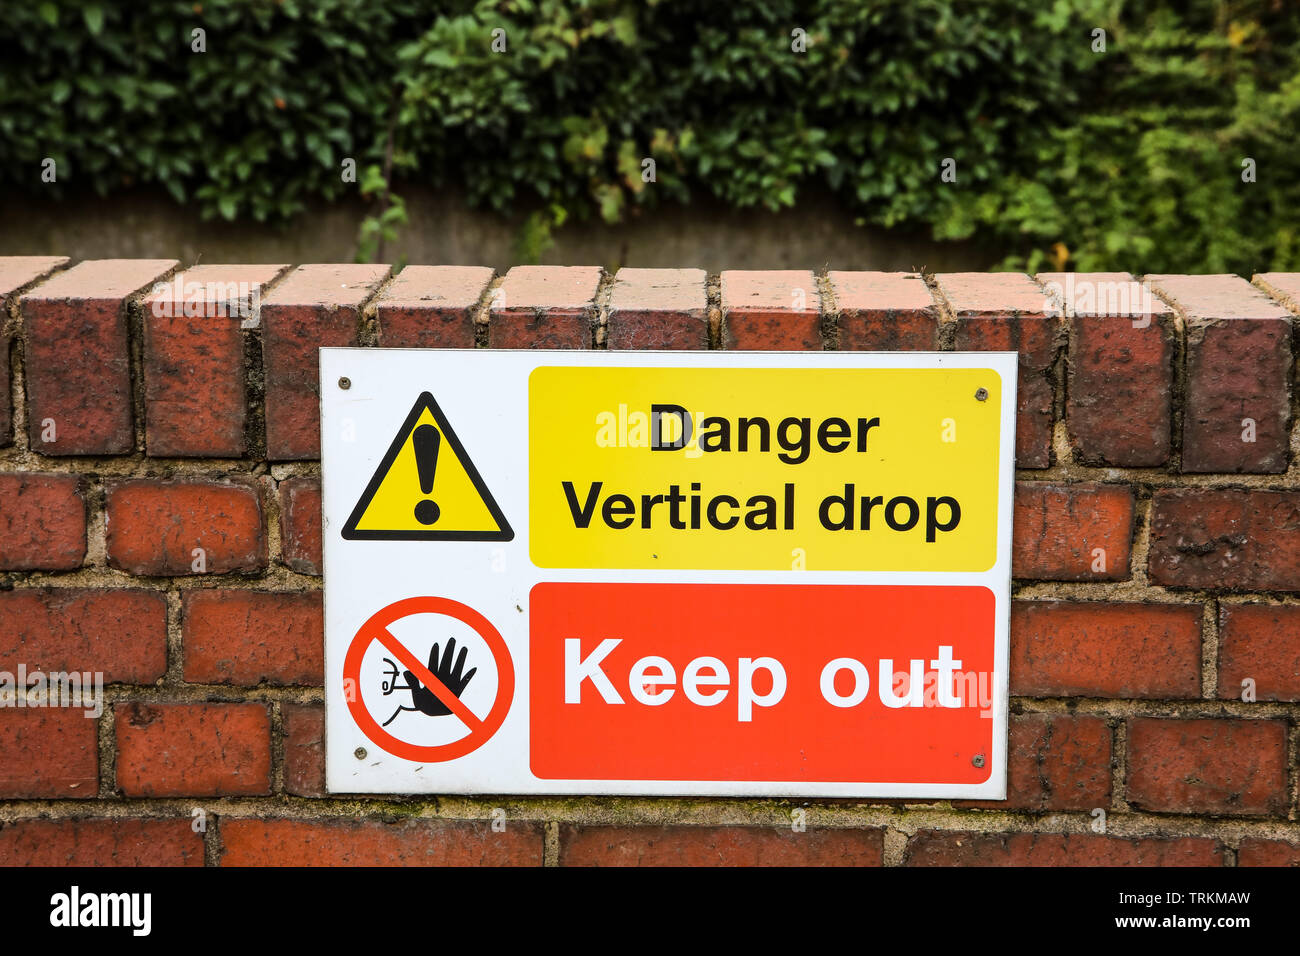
x: 376, y: 629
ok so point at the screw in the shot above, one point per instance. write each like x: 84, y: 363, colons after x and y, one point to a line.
x: 977, y: 760
x: 981, y: 394
x: 345, y: 382
x: 360, y: 753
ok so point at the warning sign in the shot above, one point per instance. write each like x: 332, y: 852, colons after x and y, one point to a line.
x: 857, y: 469
x: 667, y: 573
x: 762, y: 682
x: 426, y: 488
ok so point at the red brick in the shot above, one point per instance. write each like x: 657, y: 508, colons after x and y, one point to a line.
x: 154, y: 527
x: 1253, y: 852
x: 1055, y: 762
x: 101, y: 842
x: 119, y: 632
x: 42, y: 522
x: 718, y: 846
x: 1008, y: 312
x: 1207, y: 765
x: 950, y: 848
x: 659, y: 309
x: 316, y: 306
x: 1058, y: 530
x: 778, y: 309
x: 248, y: 637
x: 1094, y: 649
x: 195, y: 403
x: 1225, y: 539
x: 15, y: 273
x: 49, y: 752
x: 544, y: 307
x: 193, y: 750
x: 1282, y: 286
x: 431, y: 307
x: 884, y: 311
x: 304, y: 749
x: 1259, y: 641
x: 300, y: 524
x: 1238, y: 367
x: 370, y: 843
x: 1211, y: 298
x: 1120, y: 356
x: 19, y: 271
x: 77, y: 358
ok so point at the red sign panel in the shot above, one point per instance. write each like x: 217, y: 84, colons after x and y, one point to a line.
x: 757, y: 682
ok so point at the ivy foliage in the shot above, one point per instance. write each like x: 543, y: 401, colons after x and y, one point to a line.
x: 1069, y: 156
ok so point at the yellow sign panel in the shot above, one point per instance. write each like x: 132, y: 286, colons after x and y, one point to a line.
x: 764, y: 468
x: 426, y: 488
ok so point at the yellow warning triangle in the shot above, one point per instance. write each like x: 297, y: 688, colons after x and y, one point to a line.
x: 426, y: 488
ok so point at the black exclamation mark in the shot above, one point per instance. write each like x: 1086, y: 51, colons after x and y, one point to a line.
x: 426, y: 440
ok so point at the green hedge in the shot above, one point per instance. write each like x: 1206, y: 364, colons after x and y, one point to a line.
x: 1127, y: 159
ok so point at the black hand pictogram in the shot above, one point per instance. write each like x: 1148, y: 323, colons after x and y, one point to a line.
x: 425, y: 700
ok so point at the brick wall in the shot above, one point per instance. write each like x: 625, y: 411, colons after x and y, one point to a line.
x: 160, y: 522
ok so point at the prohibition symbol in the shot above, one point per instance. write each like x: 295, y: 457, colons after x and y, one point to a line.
x: 376, y: 629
